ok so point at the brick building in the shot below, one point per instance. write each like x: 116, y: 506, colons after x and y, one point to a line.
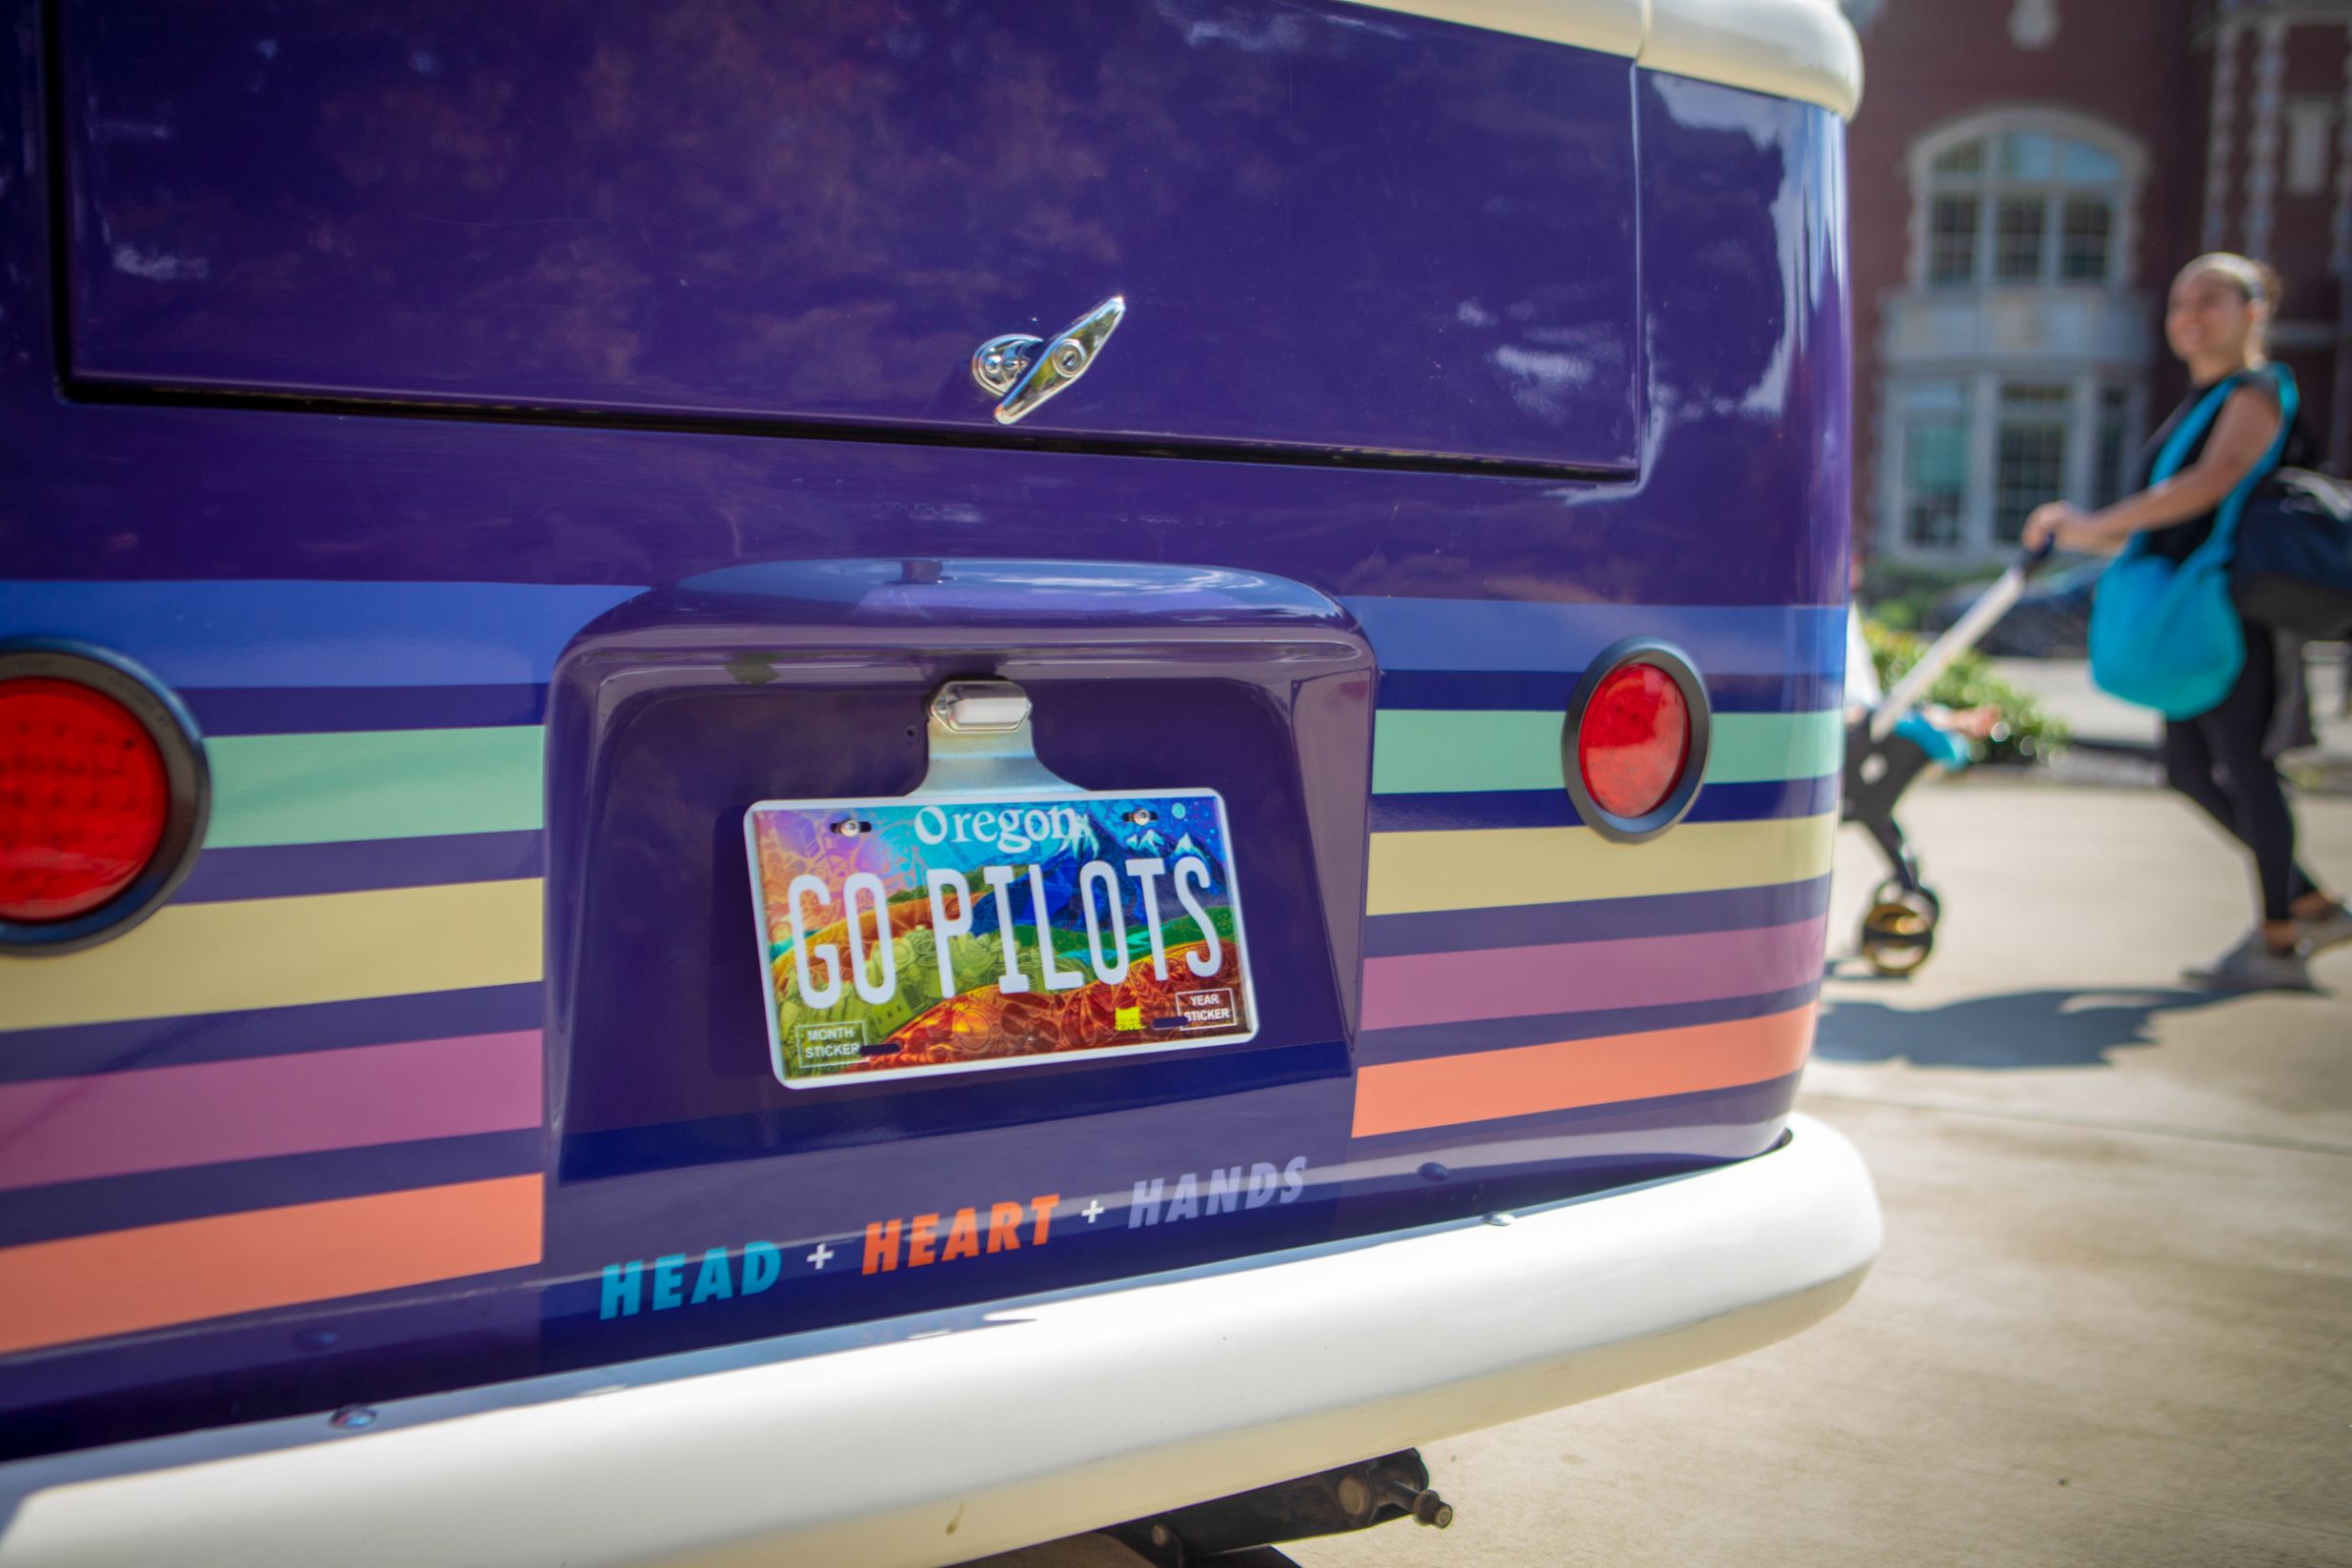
x: 2026, y: 175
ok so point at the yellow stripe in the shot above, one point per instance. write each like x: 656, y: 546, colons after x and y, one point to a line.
x: 1494, y: 868
x: 284, y: 952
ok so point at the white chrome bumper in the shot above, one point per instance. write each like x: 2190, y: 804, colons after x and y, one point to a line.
x: 933, y: 1439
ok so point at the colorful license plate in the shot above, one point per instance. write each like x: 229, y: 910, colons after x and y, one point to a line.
x: 908, y: 936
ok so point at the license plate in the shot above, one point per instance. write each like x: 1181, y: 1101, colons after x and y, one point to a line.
x: 906, y: 935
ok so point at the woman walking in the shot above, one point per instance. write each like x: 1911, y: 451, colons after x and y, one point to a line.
x: 2216, y: 321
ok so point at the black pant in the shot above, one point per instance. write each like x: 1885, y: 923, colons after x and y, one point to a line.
x: 2216, y: 760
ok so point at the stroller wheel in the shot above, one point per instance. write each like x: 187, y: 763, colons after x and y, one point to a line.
x: 1899, y: 930
x: 1892, y: 892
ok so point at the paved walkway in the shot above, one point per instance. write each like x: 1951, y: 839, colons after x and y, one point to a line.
x: 2102, y: 724
x: 2113, y: 1322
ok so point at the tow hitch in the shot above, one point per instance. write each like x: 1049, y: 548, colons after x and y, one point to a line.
x: 1242, y: 1531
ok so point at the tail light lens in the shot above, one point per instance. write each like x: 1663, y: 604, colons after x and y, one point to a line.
x: 101, y: 797
x: 82, y: 798
x: 1634, y: 745
x: 1634, y: 740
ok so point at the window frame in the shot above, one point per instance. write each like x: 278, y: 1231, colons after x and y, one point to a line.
x: 2019, y: 409
x: 1906, y: 420
x: 2310, y: 144
x: 1983, y: 410
x: 1990, y: 190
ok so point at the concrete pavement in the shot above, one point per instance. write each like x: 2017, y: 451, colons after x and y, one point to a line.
x: 2116, y: 742
x: 2113, y: 1320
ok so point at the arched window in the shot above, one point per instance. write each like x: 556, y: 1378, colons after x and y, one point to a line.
x: 2019, y: 198
x: 2013, y: 369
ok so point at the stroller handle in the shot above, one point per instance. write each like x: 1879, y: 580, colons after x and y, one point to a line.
x: 1990, y: 607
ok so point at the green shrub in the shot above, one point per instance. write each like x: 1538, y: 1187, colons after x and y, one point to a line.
x: 2027, y: 731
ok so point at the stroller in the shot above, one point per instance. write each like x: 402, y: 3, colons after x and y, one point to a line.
x: 1890, y: 748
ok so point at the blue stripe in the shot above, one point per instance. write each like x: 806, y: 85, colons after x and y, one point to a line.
x: 1489, y: 635
x: 156, y: 1198
x: 282, y: 871
x: 277, y: 634
x: 1532, y: 925
x: 1537, y: 691
x: 310, y: 711
x: 266, y: 1031
x: 1425, y: 1041
x: 1464, y: 809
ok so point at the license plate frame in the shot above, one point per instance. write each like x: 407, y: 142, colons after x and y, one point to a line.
x: 1160, y: 1001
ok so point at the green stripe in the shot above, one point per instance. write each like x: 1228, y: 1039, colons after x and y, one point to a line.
x: 1760, y: 748
x: 374, y: 784
x: 321, y: 789
x: 1421, y: 751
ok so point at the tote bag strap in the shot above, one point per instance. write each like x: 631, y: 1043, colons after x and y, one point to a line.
x: 2184, y: 435
x: 2174, y: 451
x: 2224, y: 539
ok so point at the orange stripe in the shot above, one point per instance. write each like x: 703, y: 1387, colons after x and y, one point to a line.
x: 1486, y: 1085
x: 86, y: 1287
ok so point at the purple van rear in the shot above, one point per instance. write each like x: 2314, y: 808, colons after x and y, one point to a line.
x: 522, y: 436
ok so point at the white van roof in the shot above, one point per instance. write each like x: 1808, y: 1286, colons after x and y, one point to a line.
x: 1794, y: 48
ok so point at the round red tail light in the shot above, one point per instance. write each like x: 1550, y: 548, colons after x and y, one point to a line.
x: 1634, y: 744
x: 1634, y: 740
x: 82, y: 798
x: 101, y: 797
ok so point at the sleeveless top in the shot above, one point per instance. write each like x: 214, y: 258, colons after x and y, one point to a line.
x: 2180, y: 540
x: 2290, y: 713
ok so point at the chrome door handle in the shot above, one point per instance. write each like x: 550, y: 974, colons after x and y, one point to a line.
x: 1021, y: 372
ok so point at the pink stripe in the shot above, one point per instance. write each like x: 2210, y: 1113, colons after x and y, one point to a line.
x: 165, y: 1117
x: 1506, y: 982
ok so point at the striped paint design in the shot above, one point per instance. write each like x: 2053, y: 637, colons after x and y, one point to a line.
x: 1422, y: 751
x: 349, y: 983
x: 285, y: 871
x: 1485, y: 634
x: 1468, y: 1036
x: 333, y: 710
x: 1469, y: 809
x: 166, y: 1117
x: 1498, y: 924
x: 319, y: 1073
x: 78, y: 1050
x: 285, y: 952
x: 60, y: 1211
x: 149, y: 1277
x: 1573, y: 976
x: 1417, y: 872
x: 1569, y: 1075
x: 270, y: 633
x: 1550, y: 691
x: 332, y: 788
x: 1587, y: 919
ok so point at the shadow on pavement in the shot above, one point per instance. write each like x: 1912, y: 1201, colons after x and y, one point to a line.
x: 2023, y: 1029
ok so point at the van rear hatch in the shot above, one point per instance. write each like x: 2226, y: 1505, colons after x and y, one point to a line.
x: 817, y: 214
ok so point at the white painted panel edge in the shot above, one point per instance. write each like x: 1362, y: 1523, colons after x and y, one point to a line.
x: 976, y: 1431
x: 1609, y: 27
x: 1794, y: 48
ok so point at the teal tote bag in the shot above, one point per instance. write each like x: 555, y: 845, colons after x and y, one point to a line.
x: 2166, y: 634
